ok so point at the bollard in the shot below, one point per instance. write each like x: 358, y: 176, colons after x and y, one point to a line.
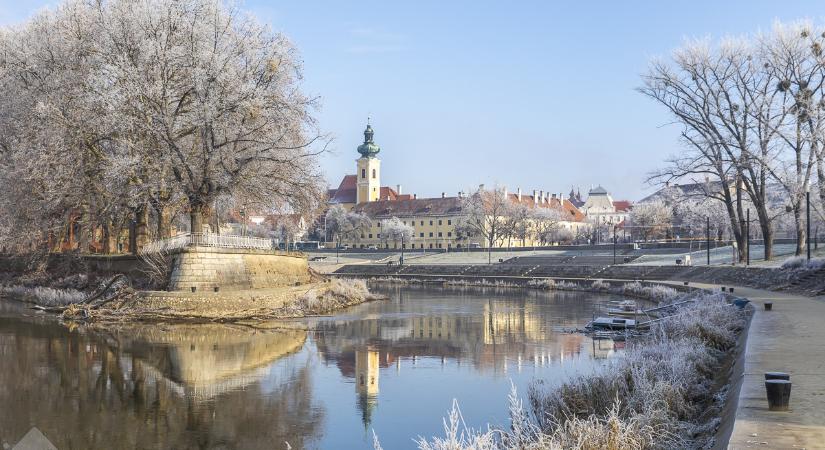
x: 779, y: 394
x: 768, y: 306
x: 777, y: 376
x: 193, y: 288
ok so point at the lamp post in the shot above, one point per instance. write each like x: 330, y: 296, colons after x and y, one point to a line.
x: 614, y: 244
x: 401, y: 260
x: 808, y: 222
x: 707, y: 230
x: 748, y: 238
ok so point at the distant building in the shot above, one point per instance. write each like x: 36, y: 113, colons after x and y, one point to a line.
x: 601, y: 209
x: 434, y: 220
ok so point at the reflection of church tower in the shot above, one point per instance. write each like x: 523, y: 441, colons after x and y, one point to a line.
x: 369, y: 169
x: 366, y: 382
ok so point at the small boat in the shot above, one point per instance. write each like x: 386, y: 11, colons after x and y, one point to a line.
x: 627, y: 305
x: 612, y: 323
x: 625, y: 313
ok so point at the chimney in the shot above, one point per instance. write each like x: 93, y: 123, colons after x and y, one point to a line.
x: 541, y: 197
x: 535, y: 197
x: 505, y: 192
x: 481, y: 187
x: 415, y: 196
x: 443, y: 195
x: 518, y: 193
x: 398, y: 189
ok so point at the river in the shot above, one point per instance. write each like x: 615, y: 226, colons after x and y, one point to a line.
x: 390, y: 367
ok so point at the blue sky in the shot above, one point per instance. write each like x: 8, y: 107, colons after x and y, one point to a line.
x: 532, y: 94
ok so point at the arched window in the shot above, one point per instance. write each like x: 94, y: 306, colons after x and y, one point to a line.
x: 363, y: 173
x: 373, y: 173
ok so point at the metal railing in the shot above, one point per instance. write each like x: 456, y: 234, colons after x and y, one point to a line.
x: 207, y: 240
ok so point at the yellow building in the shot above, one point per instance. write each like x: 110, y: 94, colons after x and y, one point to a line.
x: 434, y: 220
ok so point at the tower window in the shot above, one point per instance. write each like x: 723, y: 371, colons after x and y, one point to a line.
x: 373, y: 173
x: 363, y: 173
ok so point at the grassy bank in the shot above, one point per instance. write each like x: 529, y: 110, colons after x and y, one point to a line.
x: 665, y: 391
x: 112, y: 300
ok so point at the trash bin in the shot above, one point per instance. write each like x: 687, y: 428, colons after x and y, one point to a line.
x: 779, y: 394
x: 777, y: 376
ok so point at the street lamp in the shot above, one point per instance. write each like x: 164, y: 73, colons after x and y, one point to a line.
x: 808, y: 222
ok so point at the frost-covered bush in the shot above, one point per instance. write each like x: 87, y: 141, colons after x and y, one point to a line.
x: 542, y: 283
x: 802, y: 263
x: 44, y: 296
x: 656, y: 293
x: 600, y: 285
x: 340, y: 292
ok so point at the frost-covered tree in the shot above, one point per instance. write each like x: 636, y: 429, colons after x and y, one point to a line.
x: 396, y: 231
x: 484, y: 214
x: 112, y: 112
x: 652, y: 219
x: 344, y: 225
x: 547, y: 224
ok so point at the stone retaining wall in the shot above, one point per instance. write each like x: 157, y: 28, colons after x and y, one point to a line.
x: 206, y: 268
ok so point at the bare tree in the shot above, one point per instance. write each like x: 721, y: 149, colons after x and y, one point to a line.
x: 484, y: 215
x: 653, y: 219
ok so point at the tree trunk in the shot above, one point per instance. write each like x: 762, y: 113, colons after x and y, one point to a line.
x: 164, y: 225
x: 108, y: 238
x: 196, y: 218
x: 142, y: 226
x: 799, y: 224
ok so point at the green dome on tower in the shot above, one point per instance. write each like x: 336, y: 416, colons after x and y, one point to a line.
x: 369, y: 148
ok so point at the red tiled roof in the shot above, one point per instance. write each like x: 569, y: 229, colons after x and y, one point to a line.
x: 346, y: 192
x: 440, y: 206
x: 446, y: 206
x: 621, y: 205
x: 387, y: 193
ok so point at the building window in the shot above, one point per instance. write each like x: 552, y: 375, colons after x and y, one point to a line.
x: 370, y: 235
x: 405, y: 222
x: 421, y: 234
x: 379, y: 224
x: 373, y: 173
x: 363, y: 173
x: 449, y: 222
x: 431, y: 234
x: 378, y: 236
x: 431, y: 245
x: 439, y: 221
x: 439, y: 245
x: 403, y: 245
x: 449, y: 234
x: 422, y: 223
x: 362, y: 236
x: 439, y: 234
x: 431, y: 223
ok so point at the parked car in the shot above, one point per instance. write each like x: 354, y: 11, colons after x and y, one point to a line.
x: 345, y: 247
x: 372, y: 247
x: 475, y: 245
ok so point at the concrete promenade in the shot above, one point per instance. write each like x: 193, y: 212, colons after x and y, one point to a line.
x: 791, y: 339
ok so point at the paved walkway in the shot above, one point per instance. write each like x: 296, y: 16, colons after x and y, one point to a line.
x: 791, y: 339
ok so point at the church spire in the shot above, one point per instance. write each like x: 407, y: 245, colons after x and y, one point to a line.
x: 368, y: 149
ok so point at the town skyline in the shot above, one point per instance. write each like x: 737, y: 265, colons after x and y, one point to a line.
x: 408, y: 68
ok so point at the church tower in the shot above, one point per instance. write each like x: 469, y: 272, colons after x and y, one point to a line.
x: 369, y: 169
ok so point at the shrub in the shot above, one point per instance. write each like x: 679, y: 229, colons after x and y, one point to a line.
x: 44, y: 296
x: 600, y: 285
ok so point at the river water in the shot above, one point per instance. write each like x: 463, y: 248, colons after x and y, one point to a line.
x: 391, y: 367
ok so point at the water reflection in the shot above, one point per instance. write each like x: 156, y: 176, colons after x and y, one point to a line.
x: 147, y: 387
x: 218, y: 386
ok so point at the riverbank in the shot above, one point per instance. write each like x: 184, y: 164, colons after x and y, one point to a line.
x: 787, y: 339
x: 667, y: 391
x: 115, y: 301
